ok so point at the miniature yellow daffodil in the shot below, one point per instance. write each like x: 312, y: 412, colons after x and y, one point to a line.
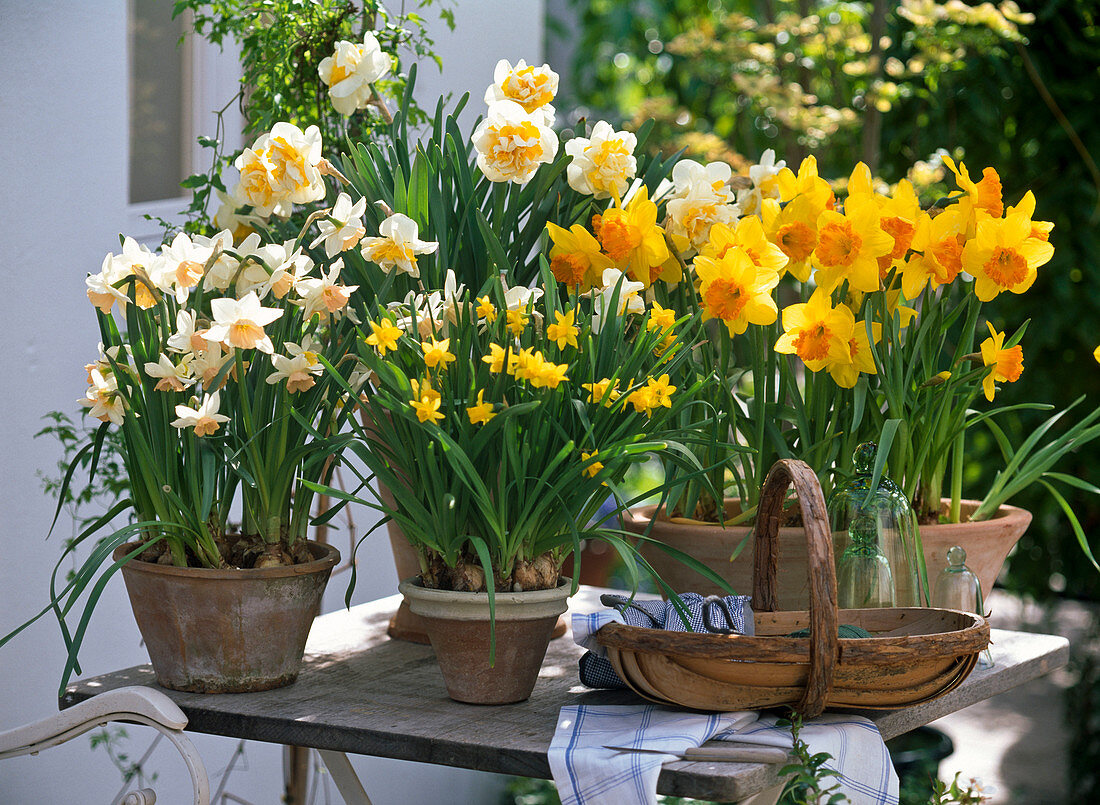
x: 482, y: 412
x: 660, y: 318
x: 594, y: 468
x: 563, y: 330
x: 517, y: 321
x: 486, y: 310
x: 495, y: 358
x: 436, y: 353
x: 426, y: 402
x: 384, y: 335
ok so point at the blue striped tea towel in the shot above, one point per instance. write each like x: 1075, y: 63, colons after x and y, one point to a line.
x: 586, y: 773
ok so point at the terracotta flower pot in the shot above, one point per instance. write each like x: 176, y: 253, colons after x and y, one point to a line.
x: 987, y: 545
x: 713, y: 545
x: 226, y: 631
x: 458, y: 626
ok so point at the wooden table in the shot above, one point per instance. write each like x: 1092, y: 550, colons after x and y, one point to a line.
x: 363, y: 693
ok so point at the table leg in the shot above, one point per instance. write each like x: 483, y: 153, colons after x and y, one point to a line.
x: 344, y: 776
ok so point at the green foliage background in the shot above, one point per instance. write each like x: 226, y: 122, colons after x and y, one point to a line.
x: 1026, y: 108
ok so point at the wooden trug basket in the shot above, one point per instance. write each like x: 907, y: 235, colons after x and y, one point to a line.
x: 916, y: 654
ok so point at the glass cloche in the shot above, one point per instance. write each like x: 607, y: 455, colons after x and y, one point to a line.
x: 875, y: 539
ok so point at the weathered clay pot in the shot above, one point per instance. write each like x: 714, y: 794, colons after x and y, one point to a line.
x: 458, y: 626
x: 226, y: 631
x: 987, y: 542
x: 987, y: 545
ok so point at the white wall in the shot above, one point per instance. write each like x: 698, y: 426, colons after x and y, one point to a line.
x: 63, y: 185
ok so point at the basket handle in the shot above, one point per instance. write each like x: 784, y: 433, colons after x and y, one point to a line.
x: 822, y: 571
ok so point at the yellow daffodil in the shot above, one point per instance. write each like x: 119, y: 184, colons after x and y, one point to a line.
x: 485, y: 309
x: 736, y: 290
x: 546, y: 374
x: 1003, y: 256
x: 1040, y: 230
x: 630, y: 236
x: 817, y: 332
x: 643, y: 401
x: 575, y: 257
x: 563, y: 330
x: 661, y: 391
x: 807, y: 183
x: 1096, y: 354
x: 384, y: 336
x: 594, y: 468
x: 482, y: 412
x: 937, y: 253
x: 846, y: 374
x: 849, y: 245
x: 426, y: 402
x: 894, y: 305
x: 861, y: 182
x: 749, y: 235
x: 495, y: 358
x: 898, y: 216
x: 602, y: 391
x: 436, y: 353
x: 983, y: 196
x: 660, y: 318
x: 517, y: 321
x: 1007, y: 364
x: 793, y: 229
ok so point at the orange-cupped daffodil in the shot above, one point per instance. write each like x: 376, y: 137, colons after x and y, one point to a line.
x: 817, y: 332
x: 575, y: 257
x: 631, y: 238
x: 1007, y: 364
x: 849, y: 245
x: 1003, y: 256
x: 846, y: 374
x: 736, y: 290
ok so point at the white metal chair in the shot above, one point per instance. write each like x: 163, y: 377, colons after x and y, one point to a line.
x: 140, y: 705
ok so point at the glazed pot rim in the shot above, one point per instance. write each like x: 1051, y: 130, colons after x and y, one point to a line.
x: 326, y: 557
x: 456, y: 605
x: 642, y: 515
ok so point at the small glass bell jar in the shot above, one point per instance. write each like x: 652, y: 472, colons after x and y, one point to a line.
x: 875, y: 538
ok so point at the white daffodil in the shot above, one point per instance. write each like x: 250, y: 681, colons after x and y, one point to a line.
x: 294, y: 267
x: 298, y: 367
x: 691, y: 216
x: 208, y: 363
x: 765, y: 184
x: 205, y: 419
x: 688, y: 175
x: 349, y: 72
x: 240, y: 323
x: 102, y: 398
x: 171, y: 377
x: 186, y: 338
x: 182, y: 266
x: 220, y: 275
x: 135, y: 260
x: 280, y: 167
x: 629, y: 297
x: 511, y: 143
x: 532, y: 87
x: 604, y: 163
x: 324, y: 296
x: 398, y: 245
x: 343, y: 227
